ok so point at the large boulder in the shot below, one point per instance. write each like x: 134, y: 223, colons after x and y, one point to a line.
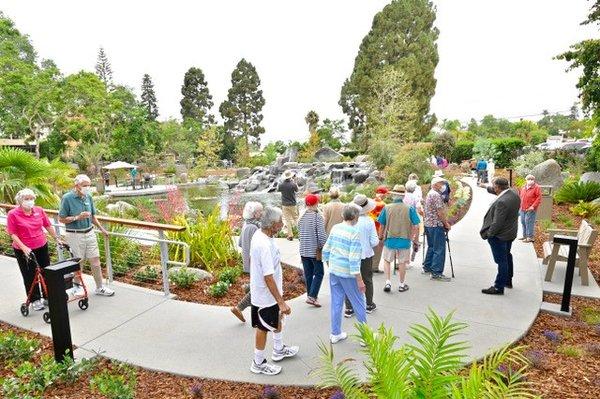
x: 202, y: 274
x: 290, y: 165
x: 252, y: 186
x: 590, y: 176
x: 242, y: 173
x: 548, y: 173
x: 361, y: 158
x: 120, y: 207
x: 326, y: 154
x: 360, y: 176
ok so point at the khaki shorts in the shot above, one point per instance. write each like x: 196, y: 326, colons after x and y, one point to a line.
x: 84, y: 246
x: 290, y: 216
x: 401, y: 255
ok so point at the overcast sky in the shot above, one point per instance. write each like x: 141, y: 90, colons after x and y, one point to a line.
x: 495, y: 56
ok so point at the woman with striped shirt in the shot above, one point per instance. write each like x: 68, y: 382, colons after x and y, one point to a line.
x: 311, y: 229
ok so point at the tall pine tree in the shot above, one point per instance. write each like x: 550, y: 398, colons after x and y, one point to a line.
x: 402, y: 36
x: 197, y: 101
x: 242, y: 111
x: 149, y: 98
x: 103, y: 69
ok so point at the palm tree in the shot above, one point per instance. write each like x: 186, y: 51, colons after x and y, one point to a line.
x: 312, y: 120
x: 20, y: 169
x: 432, y: 368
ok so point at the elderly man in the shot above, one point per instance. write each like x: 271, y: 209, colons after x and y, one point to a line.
x: 332, y: 211
x: 531, y: 197
x: 288, y: 189
x: 500, y: 226
x: 380, y: 193
x: 78, y: 213
x: 266, y: 291
x: 399, y: 231
x: 436, y: 226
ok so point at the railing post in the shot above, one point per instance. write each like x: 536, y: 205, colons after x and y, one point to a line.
x: 57, y: 228
x: 108, y: 259
x: 571, y: 259
x: 164, y: 258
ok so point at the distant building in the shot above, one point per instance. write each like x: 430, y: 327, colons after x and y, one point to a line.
x: 17, y: 143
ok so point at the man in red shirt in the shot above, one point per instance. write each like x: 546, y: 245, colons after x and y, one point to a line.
x: 531, y: 196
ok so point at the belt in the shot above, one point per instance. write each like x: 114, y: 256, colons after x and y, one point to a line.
x: 80, y: 231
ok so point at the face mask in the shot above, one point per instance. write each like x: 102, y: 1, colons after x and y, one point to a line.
x: 443, y: 189
x: 28, y: 204
x: 85, y: 190
x: 530, y: 183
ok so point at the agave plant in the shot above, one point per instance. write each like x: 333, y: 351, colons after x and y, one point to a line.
x: 431, y: 368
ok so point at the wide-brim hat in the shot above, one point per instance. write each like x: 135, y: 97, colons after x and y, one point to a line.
x: 365, y: 204
x: 398, y: 189
x: 437, y: 179
x: 438, y: 173
x: 288, y: 174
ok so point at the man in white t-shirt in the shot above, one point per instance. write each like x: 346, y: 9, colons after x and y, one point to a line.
x: 266, y: 292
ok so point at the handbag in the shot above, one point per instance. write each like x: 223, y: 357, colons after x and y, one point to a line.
x: 319, y: 253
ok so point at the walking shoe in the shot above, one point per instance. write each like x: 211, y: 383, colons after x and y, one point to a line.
x: 509, y: 285
x: 529, y: 239
x: 286, y: 351
x: 371, y: 308
x: 492, y: 291
x: 387, y: 288
x: 334, y: 339
x: 104, y: 291
x: 313, y: 301
x: 78, y: 290
x: 348, y: 313
x: 522, y: 238
x: 440, y: 277
x: 45, y: 301
x: 38, y: 305
x: 377, y: 271
x: 425, y: 271
x: 403, y: 288
x: 237, y: 313
x: 265, y: 368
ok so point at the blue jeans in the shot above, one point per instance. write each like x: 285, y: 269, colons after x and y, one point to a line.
x: 528, y: 223
x: 313, y: 275
x: 504, y: 260
x: 436, y: 250
x: 345, y: 287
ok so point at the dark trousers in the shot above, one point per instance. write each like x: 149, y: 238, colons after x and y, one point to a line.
x: 435, y: 259
x: 27, y: 266
x: 313, y: 275
x: 366, y: 272
x: 504, y: 260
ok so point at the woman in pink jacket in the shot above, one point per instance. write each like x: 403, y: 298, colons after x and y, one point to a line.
x: 531, y: 197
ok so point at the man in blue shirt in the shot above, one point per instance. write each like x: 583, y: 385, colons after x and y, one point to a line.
x: 481, y: 171
x: 78, y: 213
x: 399, y: 229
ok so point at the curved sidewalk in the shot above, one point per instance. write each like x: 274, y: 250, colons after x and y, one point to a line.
x: 145, y: 328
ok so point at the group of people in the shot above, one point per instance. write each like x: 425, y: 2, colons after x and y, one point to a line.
x: 483, y: 169
x: 351, y: 239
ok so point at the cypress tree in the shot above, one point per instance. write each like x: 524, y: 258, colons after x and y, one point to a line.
x: 103, y: 69
x: 149, y: 98
x: 241, y: 111
x: 197, y: 101
x: 402, y: 36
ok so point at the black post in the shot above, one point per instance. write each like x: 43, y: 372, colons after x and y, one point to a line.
x: 572, y: 243
x: 59, y: 312
x: 510, y: 180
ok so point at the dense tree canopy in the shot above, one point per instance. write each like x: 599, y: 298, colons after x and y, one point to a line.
x: 196, y: 102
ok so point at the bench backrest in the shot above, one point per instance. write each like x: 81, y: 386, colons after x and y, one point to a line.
x: 586, y: 234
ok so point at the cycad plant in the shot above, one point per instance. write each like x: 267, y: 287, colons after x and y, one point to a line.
x: 431, y: 368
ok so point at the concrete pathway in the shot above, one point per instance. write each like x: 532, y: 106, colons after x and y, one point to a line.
x: 145, y: 328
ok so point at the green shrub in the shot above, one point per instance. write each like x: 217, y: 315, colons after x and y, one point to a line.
x: 574, y: 192
x: 183, y: 278
x: 524, y: 164
x: 383, y: 152
x: 119, y: 383
x: 230, y: 275
x: 443, y: 145
x: 483, y: 148
x: 585, y: 209
x: 565, y: 220
x: 546, y: 224
x: 15, y: 348
x: 463, y: 150
x: 146, y: 274
x: 506, y: 150
x: 590, y: 315
x: 407, y: 162
x: 218, y: 289
x: 570, y: 350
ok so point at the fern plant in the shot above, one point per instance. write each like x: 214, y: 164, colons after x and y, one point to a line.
x: 431, y: 368
x: 574, y: 192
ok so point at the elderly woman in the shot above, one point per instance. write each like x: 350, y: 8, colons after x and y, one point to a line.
x: 343, y: 253
x: 252, y: 213
x: 26, y: 224
x: 311, y: 229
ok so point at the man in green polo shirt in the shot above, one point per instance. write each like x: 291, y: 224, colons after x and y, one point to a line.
x: 78, y: 213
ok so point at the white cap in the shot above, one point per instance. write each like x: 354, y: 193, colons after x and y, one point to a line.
x: 437, y: 179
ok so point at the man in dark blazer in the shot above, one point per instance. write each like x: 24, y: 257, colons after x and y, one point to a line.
x: 499, y: 228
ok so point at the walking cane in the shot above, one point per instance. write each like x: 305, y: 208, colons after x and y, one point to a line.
x: 449, y: 253
x: 423, y: 246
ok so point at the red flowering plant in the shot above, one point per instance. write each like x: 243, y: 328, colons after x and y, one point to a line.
x: 173, y: 206
x: 235, y: 211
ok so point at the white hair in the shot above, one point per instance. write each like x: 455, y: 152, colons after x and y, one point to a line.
x: 350, y: 212
x: 334, y: 192
x: 270, y: 216
x: 81, y: 179
x: 250, y: 210
x: 411, y: 186
x: 530, y: 177
x: 26, y: 192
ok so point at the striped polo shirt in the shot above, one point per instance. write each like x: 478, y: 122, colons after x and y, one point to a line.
x: 343, y: 251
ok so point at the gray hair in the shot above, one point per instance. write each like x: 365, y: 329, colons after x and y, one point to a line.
x: 81, y: 179
x: 270, y: 216
x: 530, y: 177
x: 26, y: 192
x: 411, y: 186
x: 350, y: 212
x: 334, y: 192
x: 250, y: 210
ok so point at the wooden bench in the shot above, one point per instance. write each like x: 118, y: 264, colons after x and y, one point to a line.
x: 586, y: 235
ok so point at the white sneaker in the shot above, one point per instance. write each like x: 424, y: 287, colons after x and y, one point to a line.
x: 38, y: 305
x: 104, y: 291
x: 265, y: 368
x: 286, y: 351
x: 334, y: 339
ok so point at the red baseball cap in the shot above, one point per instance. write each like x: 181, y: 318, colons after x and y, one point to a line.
x: 382, y: 190
x: 311, y: 200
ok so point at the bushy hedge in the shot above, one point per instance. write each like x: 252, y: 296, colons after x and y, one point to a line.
x: 462, y: 150
x: 507, y: 150
x: 407, y: 162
